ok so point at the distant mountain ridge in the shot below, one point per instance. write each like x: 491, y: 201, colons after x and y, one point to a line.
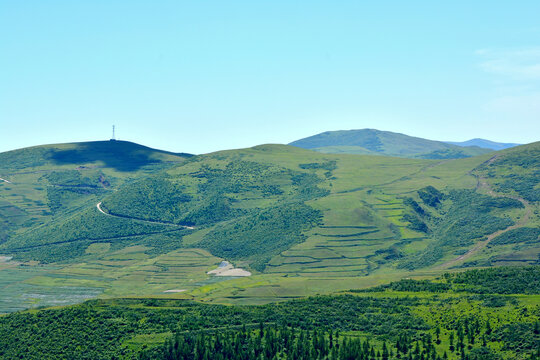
x: 377, y: 142
x: 483, y: 143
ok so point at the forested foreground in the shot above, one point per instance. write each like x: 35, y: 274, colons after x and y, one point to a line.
x: 462, y: 316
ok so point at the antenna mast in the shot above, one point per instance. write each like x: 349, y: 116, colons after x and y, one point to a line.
x: 113, y: 138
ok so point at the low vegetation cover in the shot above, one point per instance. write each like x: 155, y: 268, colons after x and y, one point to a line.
x: 405, y: 320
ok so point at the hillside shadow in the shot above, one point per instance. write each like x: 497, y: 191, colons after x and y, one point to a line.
x: 119, y: 155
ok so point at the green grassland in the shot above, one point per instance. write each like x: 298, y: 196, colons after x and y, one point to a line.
x: 302, y: 222
x: 60, y: 184
x: 50, y: 181
x: 480, y: 314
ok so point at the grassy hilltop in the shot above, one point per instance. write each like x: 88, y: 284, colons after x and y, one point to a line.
x: 50, y: 184
x: 302, y: 222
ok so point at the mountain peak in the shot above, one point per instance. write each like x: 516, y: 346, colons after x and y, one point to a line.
x: 379, y: 142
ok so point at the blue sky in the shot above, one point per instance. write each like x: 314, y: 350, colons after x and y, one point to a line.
x: 200, y: 76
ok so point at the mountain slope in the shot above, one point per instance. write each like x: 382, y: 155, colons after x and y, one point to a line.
x: 370, y: 141
x: 302, y: 222
x: 483, y: 143
x: 46, y: 181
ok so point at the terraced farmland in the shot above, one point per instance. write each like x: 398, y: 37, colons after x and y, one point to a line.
x: 303, y: 223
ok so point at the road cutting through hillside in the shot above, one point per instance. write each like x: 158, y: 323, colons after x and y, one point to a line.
x: 482, y: 184
x: 98, y: 206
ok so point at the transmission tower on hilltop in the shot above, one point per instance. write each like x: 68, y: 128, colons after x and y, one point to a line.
x: 113, y: 136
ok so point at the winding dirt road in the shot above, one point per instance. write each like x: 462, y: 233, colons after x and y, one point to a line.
x: 98, y: 206
x: 482, y: 184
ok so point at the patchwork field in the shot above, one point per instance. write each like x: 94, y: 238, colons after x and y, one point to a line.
x: 303, y: 223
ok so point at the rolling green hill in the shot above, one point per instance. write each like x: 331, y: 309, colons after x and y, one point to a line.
x: 46, y: 185
x: 302, y: 222
x: 377, y: 142
x: 41, y: 182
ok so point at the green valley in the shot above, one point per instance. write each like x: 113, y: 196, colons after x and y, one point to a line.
x: 301, y: 222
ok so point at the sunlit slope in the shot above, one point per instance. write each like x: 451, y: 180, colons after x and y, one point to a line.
x: 283, y: 209
x: 377, y: 142
x: 303, y: 222
x: 280, y: 209
x: 514, y: 173
x: 43, y: 182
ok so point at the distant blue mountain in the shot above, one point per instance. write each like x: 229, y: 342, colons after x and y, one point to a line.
x: 483, y: 143
x: 377, y: 142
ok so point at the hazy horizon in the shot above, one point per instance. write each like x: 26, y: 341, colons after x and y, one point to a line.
x: 196, y: 78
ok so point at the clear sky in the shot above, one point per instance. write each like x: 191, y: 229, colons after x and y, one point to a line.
x: 200, y: 76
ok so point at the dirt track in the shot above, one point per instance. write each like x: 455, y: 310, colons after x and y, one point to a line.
x: 98, y: 206
x: 482, y: 184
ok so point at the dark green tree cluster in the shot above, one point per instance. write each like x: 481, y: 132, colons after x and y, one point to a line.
x: 411, y: 285
x: 155, y: 198
x: 262, y: 234
x: 526, y: 235
x: 498, y: 280
x: 431, y: 196
x: 270, y: 342
x: 300, y: 329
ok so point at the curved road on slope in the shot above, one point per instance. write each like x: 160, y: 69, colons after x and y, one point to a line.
x: 98, y: 206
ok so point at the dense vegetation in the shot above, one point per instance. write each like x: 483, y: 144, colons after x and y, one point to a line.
x: 154, y: 198
x: 68, y: 239
x: 521, y: 235
x: 381, y: 324
x: 262, y: 235
x: 254, y: 233
x: 463, y: 216
x: 516, y: 171
x: 498, y: 280
x: 100, y: 329
x: 271, y: 343
x: 217, y: 196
